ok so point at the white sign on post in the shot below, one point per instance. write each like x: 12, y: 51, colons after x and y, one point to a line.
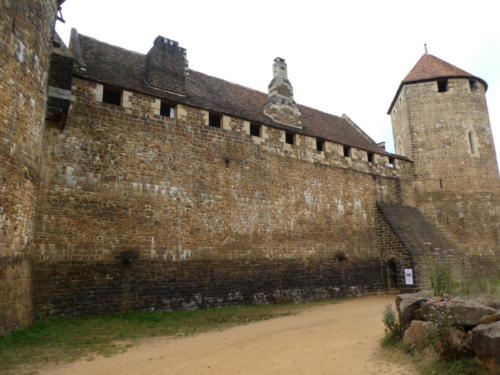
x: 408, y: 276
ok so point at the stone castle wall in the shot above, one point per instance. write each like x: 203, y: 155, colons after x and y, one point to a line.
x: 25, y: 47
x: 142, y: 211
x: 456, y: 185
x: 121, y: 209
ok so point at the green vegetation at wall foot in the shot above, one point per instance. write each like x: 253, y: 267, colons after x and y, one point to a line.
x: 396, y: 351
x: 466, y: 366
x: 65, y: 339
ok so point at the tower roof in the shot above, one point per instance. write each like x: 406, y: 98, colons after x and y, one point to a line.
x: 429, y: 68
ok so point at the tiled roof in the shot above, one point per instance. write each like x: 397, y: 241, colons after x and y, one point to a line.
x: 120, y: 67
x: 430, y: 67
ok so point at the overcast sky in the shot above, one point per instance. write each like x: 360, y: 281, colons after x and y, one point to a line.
x: 343, y: 56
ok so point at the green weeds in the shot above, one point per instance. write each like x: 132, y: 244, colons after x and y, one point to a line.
x: 65, y: 339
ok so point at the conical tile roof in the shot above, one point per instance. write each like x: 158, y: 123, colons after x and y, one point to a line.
x: 430, y: 67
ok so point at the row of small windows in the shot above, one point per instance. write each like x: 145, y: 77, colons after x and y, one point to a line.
x: 113, y: 95
x: 442, y: 85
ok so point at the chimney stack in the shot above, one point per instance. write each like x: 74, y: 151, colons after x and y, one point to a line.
x: 280, y: 106
x: 167, y: 66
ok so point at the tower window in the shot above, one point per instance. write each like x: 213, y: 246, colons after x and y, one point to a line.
x: 290, y: 138
x: 442, y: 85
x: 392, y: 163
x: 473, y: 84
x: 167, y: 109
x: 320, y: 144
x: 370, y: 156
x: 255, y: 130
x: 472, y: 142
x: 347, y: 151
x: 214, y: 120
x: 112, y: 95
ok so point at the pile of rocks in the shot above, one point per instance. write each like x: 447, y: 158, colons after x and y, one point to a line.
x: 452, y: 328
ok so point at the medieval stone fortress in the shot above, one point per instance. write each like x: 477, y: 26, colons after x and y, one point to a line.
x: 130, y: 182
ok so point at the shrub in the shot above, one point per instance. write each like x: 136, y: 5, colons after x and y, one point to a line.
x: 391, y: 325
x: 441, y: 278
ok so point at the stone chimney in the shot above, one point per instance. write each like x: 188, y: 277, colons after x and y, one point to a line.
x: 280, y: 105
x: 166, y: 66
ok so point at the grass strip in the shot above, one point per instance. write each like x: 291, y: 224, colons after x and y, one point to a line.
x: 64, y: 339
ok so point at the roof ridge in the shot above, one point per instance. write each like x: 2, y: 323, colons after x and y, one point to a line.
x: 119, y: 66
x: 111, y: 45
x: 263, y: 93
x: 210, y: 76
x: 232, y: 83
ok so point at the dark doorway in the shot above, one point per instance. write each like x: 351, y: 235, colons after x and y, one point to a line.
x: 392, y: 274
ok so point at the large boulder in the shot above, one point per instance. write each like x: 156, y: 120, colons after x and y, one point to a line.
x: 423, y: 337
x: 465, y: 313
x: 417, y: 336
x: 488, y: 319
x: 491, y: 303
x: 486, y: 345
x: 458, y: 344
x: 406, y: 305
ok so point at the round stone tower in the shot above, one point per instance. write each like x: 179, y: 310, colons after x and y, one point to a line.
x: 26, y: 28
x: 440, y: 121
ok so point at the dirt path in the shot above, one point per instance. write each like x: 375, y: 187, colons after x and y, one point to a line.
x: 335, y: 339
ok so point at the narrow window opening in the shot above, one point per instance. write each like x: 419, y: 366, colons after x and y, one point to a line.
x: 112, y: 95
x: 256, y: 130
x: 214, y: 120
x: 341, y: 256
x: 447, y: 220
x: 441, y: 183
x: 392, y: 162
x: 371, y: 156
x: 347, y: 151
x: 167, y: 109
x: 126, y: 262
x: 472, y: 142
x: 442, y: 85
x: 290, y: 138
x: 473, y: 84
x: 320, y: 144
x: 227, y: 161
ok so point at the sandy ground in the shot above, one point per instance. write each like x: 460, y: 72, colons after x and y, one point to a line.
x: 334, y: 339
